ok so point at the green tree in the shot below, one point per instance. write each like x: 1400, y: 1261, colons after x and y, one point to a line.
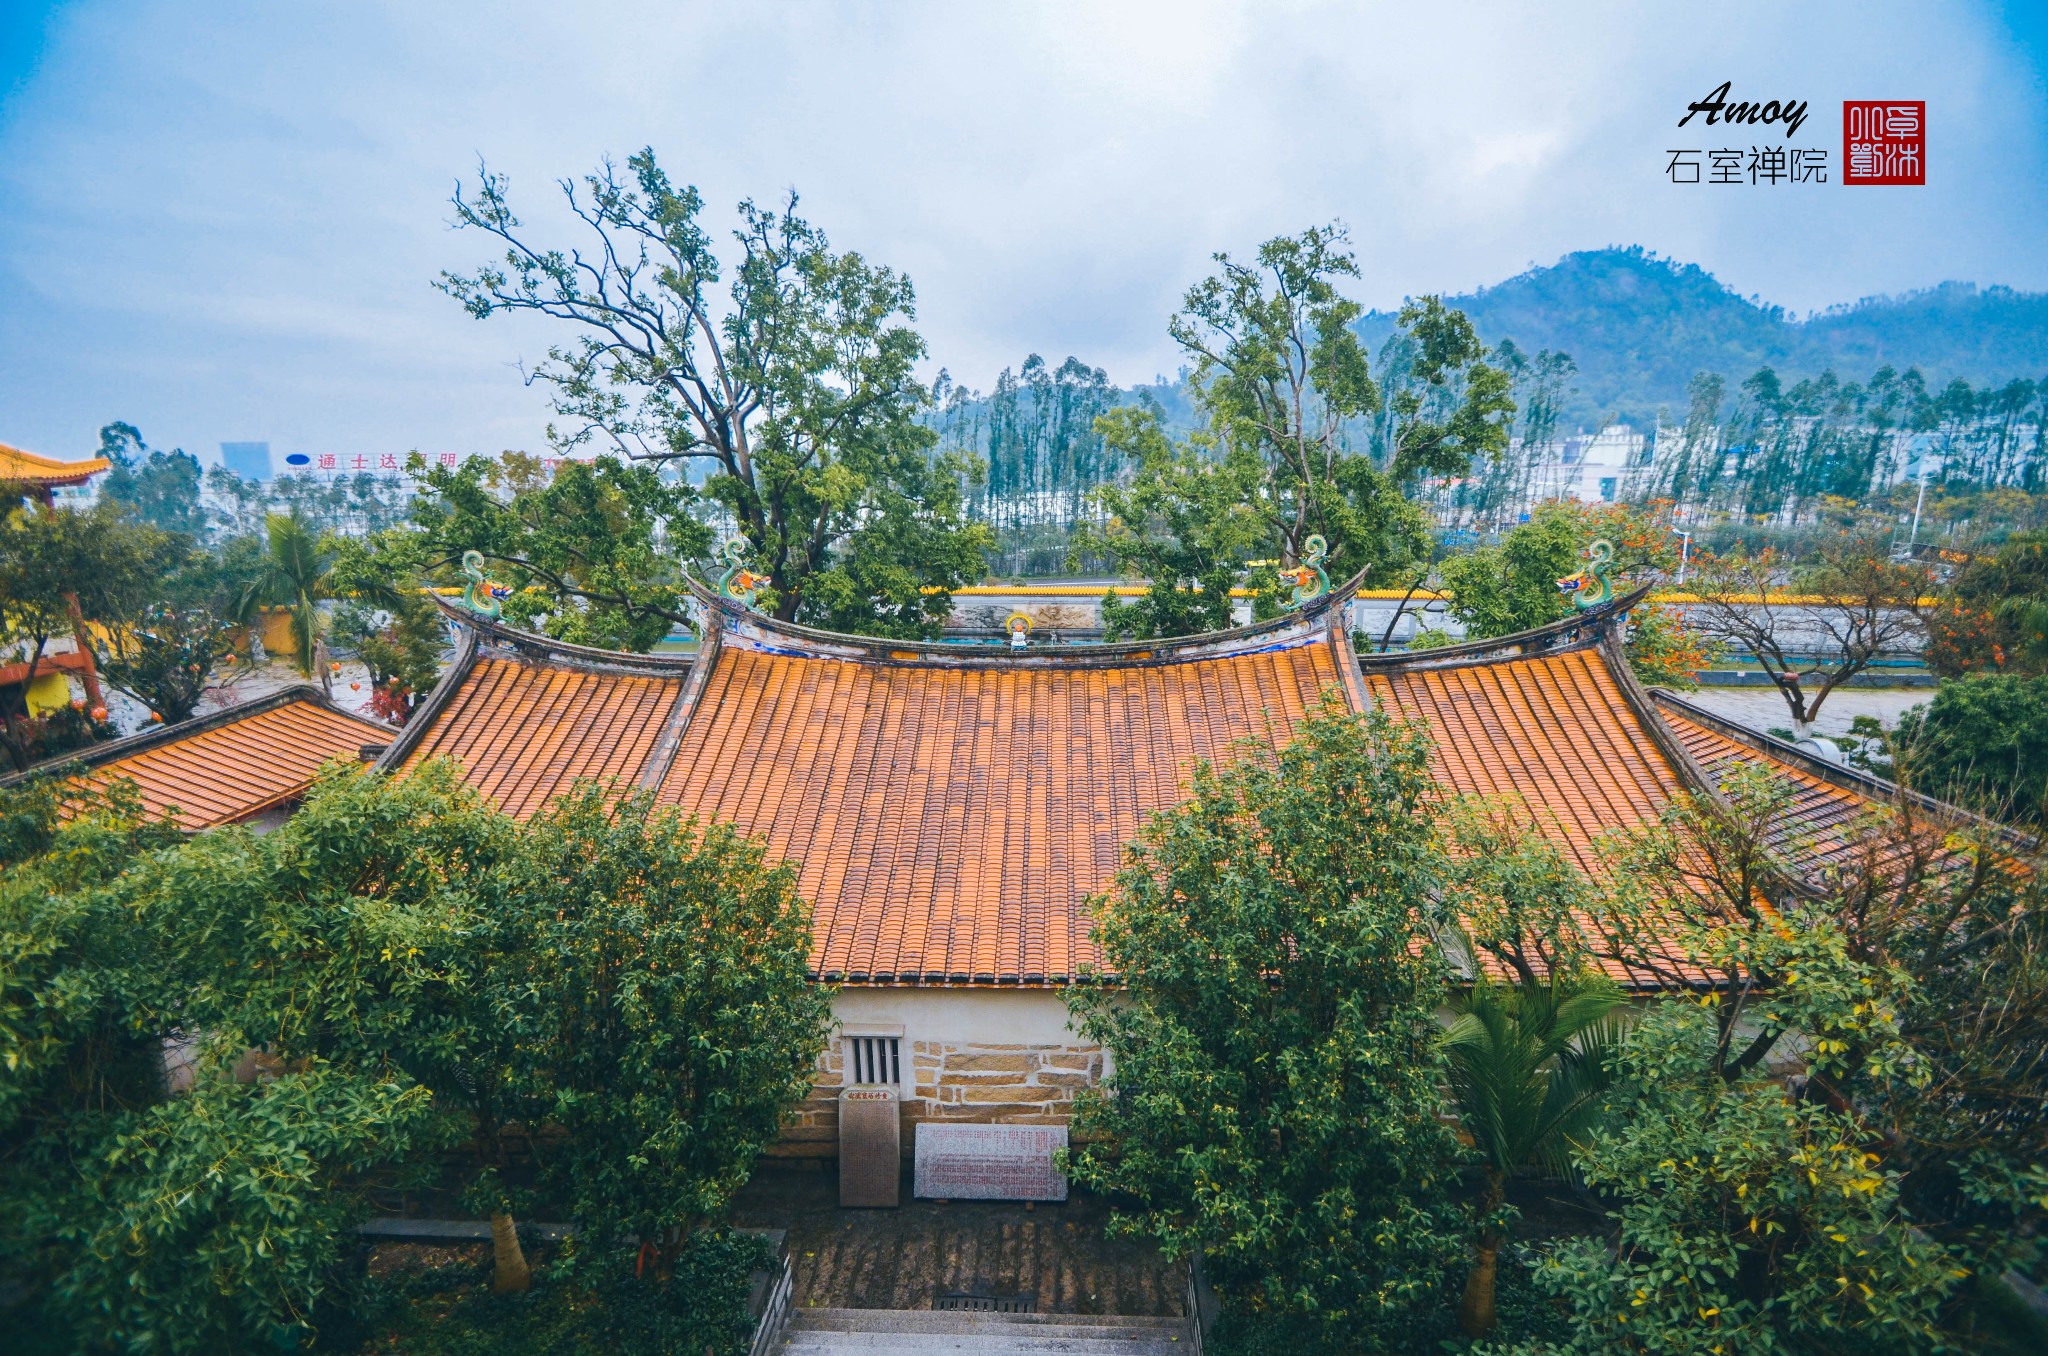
x: 1528, y: 1069
x: 1279, y: 370
x: 1185, y: 521
x: 1713, y: 895
x: 1746, y: 1221
x: 666, y: 1021
x: 1499, y: 590
x: 215, y: 1222
x: 1982, y: 741
x: 1277, y: 1098
x: 207, y: 1221
x: 1950, y: 916
x: 61, y: 569
x: 371, y: 933
x: 390, y: 619
x: 1901, y: 961
x: 794, y: 390
x: 1994, y: 618
x: 161, y: 487
x: 1852, y: 607
x: 165, y: 657
x: 1281, y: 378
x: 1530, y: 1049
x: 590, y: 551
x: 293, y: 573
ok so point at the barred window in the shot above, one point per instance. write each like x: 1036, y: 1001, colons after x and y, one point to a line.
x: 873, y: 1059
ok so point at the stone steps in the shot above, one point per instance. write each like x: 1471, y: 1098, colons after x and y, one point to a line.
x: 861, y: 1332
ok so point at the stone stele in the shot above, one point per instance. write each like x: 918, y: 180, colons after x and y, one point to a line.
x: 989, y: 1162
x: 870, y: 1146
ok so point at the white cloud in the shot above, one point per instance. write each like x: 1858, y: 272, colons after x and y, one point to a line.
x: 225, y: 226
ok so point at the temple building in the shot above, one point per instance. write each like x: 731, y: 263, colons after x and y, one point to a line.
x: 249, y: 764
x: 38, y: 689
x: 24, y: 475
x: 953, y: 807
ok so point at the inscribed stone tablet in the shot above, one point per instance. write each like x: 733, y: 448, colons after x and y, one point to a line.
x: 989, y: 1162
x: 870, y: 1146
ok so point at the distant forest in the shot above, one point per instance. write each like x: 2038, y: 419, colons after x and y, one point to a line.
x: 1639, y: 328
x: 1761, y: 412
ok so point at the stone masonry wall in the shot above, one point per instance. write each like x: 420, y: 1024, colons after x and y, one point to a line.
x: 952, y: 1081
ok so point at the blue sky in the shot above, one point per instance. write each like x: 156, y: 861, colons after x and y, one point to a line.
x: 220, y: 221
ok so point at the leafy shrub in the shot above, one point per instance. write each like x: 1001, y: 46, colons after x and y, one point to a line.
x: 1982, y: 741
x: 587, y: 1306
x: 220, y: 1216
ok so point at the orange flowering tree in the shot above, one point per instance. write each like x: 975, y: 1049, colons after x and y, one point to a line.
x: 1994, y: 617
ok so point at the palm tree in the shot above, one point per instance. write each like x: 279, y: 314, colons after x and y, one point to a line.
x: 292, y: 573
x: 1528, y: 1063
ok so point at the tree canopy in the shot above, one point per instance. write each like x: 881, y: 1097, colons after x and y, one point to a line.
x: 790, y: 394
x: 1276, y: 1102
x: 218, y: 1044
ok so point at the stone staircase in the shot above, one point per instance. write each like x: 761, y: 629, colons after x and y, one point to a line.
x: 866, y: 1332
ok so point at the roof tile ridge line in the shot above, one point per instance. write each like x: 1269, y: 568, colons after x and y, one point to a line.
x: 533, y: 645
x: 1846, y: 778
x: 1648, y: 779
x: 427, y: 712
x: 1691, y: 774
x: 663, y: 756
x: 816, y: 643
x: 1515, y: 645
x: 1344, y: 653
x: 142, y: 741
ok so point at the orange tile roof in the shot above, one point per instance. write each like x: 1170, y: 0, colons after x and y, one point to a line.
x: 1814, y: 801
x: 26, y: 468
x: 525, y: 731
x: 1553, y: 730
x: 234, y: 764
x: 1827, y: 808
x: 952, y: 808
x: 951, y: 822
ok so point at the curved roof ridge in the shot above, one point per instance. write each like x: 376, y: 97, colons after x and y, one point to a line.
x: 747, y: 629
x: 18, y: 465
x: 1581, y: 629
x: 753, y: 630
x: 543, y: 647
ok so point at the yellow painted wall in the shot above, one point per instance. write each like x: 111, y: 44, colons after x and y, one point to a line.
x: 278, y: 641
x: 49, y: 692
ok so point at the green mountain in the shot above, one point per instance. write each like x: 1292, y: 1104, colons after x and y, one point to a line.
x: 1639, y: 326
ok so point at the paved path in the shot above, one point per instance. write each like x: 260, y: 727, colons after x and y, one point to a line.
x: 867, y: 1332
x: 900, y: 1259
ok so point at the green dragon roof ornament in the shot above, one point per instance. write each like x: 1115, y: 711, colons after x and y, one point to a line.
x: 1594, y: 585
x: 480, y: 595
x: 1308, y: 578
x: 738, y: 584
